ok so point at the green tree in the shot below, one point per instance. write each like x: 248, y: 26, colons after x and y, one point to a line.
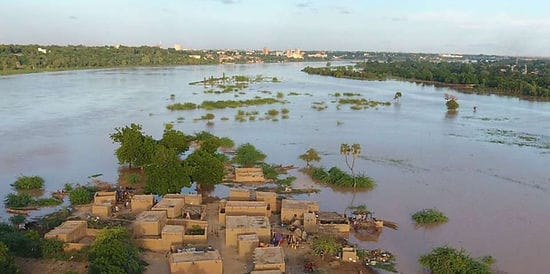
x: 311, y: 155
x: 166, y: 173
x: 447, y: 260
x: 175, y: 139
x: 248, y: 156
x: 80, y: 196
x: 226, y: 143
x: 205, y: 168
x: 7, y: 262
x: 135, y: 148
x: 113, y: 252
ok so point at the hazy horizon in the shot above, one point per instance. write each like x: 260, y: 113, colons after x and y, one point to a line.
x: 467, y: 27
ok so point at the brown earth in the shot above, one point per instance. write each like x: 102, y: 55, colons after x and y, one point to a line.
x: 50, y: 266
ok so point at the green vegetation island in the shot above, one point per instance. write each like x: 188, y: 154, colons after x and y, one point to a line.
x: 529, y: 79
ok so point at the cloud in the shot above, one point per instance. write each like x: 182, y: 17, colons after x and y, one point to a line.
x: 72, y: 17
x: 343, y: 10
x: 228, y: 2
x: 306, y: 4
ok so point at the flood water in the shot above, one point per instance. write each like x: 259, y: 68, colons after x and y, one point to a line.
x: 488, y: 170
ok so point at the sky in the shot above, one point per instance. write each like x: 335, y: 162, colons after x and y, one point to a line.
x: 520, y: 28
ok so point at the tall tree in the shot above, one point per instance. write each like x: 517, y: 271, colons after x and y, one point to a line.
x: 135, y: 147
x: 248, y: 156
x: 205, y: 168
x: 166, y: 174
x: 311, y: 155
x: 175, y: 139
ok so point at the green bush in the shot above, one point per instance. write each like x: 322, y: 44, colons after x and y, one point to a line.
x: 272, y: 112
x: 182, y: 106
x: 51, y: 248
x: 14, y: 200
x: 325, y: 245
x: 7, y: 262
x: 337, y: 177
x: 132, y: 178
x: 449, y: 260
x: 21, y: 244
x: 429, y: 216
x: 195, y: 230
x: 452, y: 104
x: 80, y: 196
x: 28, y: 182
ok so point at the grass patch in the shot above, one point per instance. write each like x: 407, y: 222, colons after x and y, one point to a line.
x: 28, y: 182
x: 337, y: 177
x: 429, y: 216
x: 182, y: 106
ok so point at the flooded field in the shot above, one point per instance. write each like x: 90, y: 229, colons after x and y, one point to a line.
x: 487, y: 170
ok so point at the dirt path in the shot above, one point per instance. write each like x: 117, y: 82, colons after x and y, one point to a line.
x: 49, y: 266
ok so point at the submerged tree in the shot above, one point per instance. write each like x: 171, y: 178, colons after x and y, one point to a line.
x: 135, y: 147
x: 451, y: 102
x: 311, y: 155
x: 248, y: 156
x: 446, y: 259
x: 397, y: 96
x: 205, y: 168
x: 352, y: 151
x: 166, y: 174
x: 174, y: 139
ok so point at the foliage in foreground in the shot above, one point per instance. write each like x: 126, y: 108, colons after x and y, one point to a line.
x: 28, y: 182
x: 18, y: 200
x: 7, y: 262
x: 113, y: 252
x: 248, y: 156
x: 429, y: 216
x: 447, y: 260
x: 337, y: 177
x: 325, y: 245
x: 81, y: 195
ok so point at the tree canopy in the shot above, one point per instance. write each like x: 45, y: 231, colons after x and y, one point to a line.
x: 175, y: 139
x: 311, y: 155
x: 7, y: 262
x: 166, y: 174
x: 113, y: 252
x: 135, y: 147
x: 248, y: 156
x: 447, y: 260
x: 205, y: 167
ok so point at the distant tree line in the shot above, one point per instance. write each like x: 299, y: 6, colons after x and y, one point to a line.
x: 27, y: 58
x: 503, y: 77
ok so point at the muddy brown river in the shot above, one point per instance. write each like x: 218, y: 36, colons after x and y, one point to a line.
x: 487, y: 170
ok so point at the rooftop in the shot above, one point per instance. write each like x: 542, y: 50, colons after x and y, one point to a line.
x: 143, y: 197
x: 173, y: 196
x: 247, y: 221
x: 296, y: 204
x: 67, y: 227
x: 248, y: 237
x: 151, y: 216
x: 269, y: 255
x: 169, y: 202
x: 183, y: 257
x: 331, y: 217
x: 245, y: 204
x: 106, y: 193
x: 173, y: 229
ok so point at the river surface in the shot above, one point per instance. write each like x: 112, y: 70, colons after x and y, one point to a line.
x: 488, y: 170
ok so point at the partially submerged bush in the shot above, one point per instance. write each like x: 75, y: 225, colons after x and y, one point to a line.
x: 446, y: 259
x: 429, y: 216
x: 81, y: 195
x: 337, y: 177
x: 28, y: 182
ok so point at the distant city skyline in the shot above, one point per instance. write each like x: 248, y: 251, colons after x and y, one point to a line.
x: 520, y: 28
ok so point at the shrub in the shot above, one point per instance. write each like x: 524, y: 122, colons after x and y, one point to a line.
x: 80, y: 196
x: 429, y: 216
x: 51, y: 248
x: 132, y: 178
x: 280, y: 95
x: 14, y: 200
x: 325, y: 245
x: 28, y: 182
x: 449, y: 260
x: 337, y: 177
x: 195, y: 230
x: 285, y: 111
x: 182, y: 106
x: 7, y: 262
x: 272, y: 112
x: 452, y: 104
